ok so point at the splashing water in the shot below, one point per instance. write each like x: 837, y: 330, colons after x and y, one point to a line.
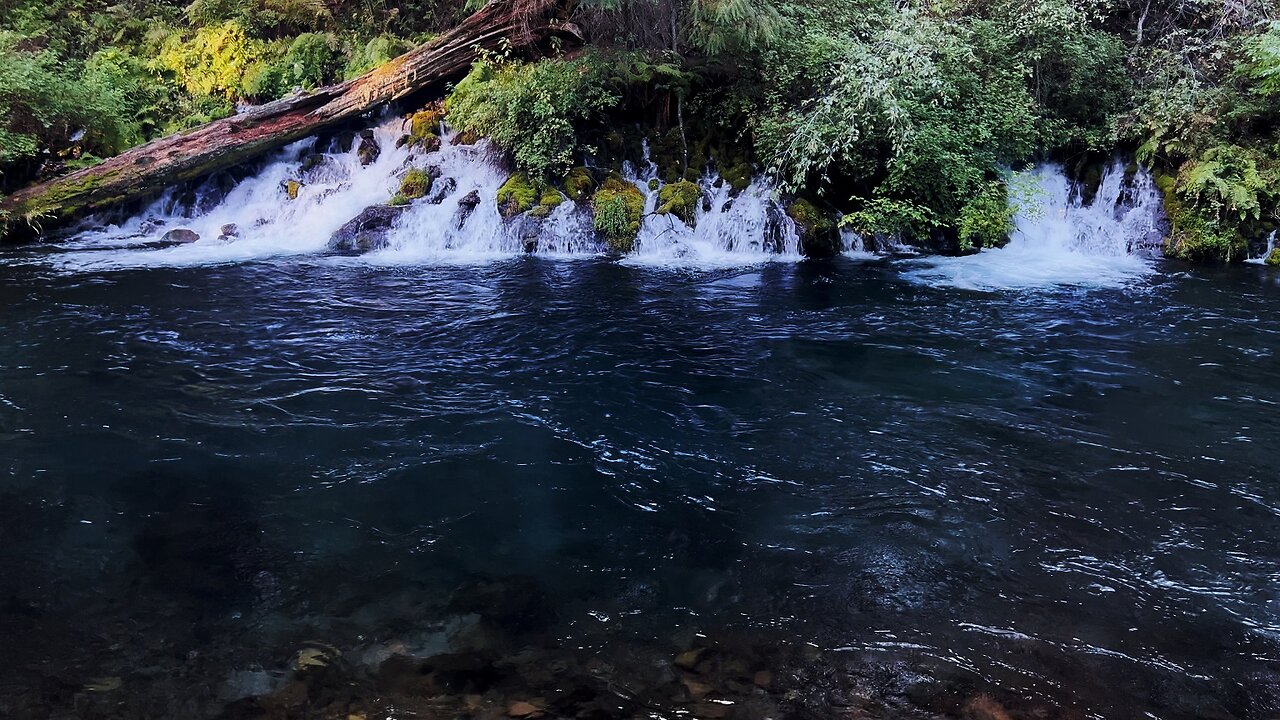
x: 1063, y: 240
x: 1271, y: 245
x: 331, y: 188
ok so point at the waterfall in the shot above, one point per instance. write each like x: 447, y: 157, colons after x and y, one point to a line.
x: 1060, y: 238
x: 1271, y: 245
x: 302, y: 195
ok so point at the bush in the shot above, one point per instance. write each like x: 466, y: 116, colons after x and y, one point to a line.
x: 375, y: 53
x: 312, y: 60
x: 987, y: 219
x: 43, y: 107
x: 530, y: 110
x: 215, y: 61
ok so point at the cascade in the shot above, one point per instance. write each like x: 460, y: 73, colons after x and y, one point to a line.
x: 1271, y: 246
x: 1060, y: 239
x: 301, y: 197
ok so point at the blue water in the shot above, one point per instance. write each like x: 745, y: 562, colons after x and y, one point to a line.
x: 1065, y: 498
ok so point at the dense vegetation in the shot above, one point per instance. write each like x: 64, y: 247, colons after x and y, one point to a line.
x: 903, y: 117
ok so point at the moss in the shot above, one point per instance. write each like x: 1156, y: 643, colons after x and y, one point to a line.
x: 399, y: 199
x: 738, y: 175
x: 618, y: 208
x: 654, y: 184
x: 467, y: 137
x: 810, y: 218
x: 680, y: 199
x: 520, y: 194
x: 423, y: 126
x: 578, y: 184
x: 1273, y: 257
x: 1197, y: 237
x: 415, y: 184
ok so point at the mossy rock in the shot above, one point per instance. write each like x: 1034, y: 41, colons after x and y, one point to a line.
x: 1273, y: 257
x: 811, y: 220
x: 291, y: 188
x: 399, y: 200
x: 1197, y: 237
x: 415, y: 184
x: 466, y: 137
x: 578, y: 184
x: 617, y: 211
x: 424, y: 126
x: 738, y: 175
x: 520, y: 194
x: 680, y: 199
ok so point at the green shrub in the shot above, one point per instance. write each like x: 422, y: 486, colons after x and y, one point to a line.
x: 987, y: 219
x: 618, y: 209
x: 376, y: 53
x: 312, y: 60
x: 530, y: 110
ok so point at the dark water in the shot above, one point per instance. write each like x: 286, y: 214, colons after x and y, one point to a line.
x: 1065, y: 498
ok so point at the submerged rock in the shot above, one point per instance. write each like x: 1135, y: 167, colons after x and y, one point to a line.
x: 181, y: 235
x: 367, y: 231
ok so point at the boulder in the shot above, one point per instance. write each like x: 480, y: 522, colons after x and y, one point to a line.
x: 466, y: 206
x: 367, y: 231
x: 442, y: 189
x: 181, y: 236
x: 228, y: 232
x: 369, y: 150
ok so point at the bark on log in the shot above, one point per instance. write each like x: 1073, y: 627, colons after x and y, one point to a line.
x: 500, y: 26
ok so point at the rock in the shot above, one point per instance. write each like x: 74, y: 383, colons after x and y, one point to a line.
x: 982, y: 707
x: 523, y: 709
x: 213, y: 191
x: 442, y: 189
x: 466, y: 206
x: 345, y: 141
x: 181, y: 235
x: 367, y: 231
x: 697, y: 689
x: 311, y: 162
x: 688, y: 659
x: 710, y: 710
x: 291, y: 188
x: 819, y: 236
x: 1273, y: 257
x: 369, y: 150
x: 680, y: 199
x: 230, y: 230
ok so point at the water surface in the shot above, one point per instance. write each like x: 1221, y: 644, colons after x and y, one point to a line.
x: 1065, y: 496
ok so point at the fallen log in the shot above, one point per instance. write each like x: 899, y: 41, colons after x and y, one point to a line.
x: 501, y: 26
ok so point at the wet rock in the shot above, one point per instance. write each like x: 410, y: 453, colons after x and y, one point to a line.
x: 291, y: 188
x: 345, y: 141
x: 213, y: 191
x: 181, y: 235
x: 367, y: 231
x: 312, y: 162
x: 442, y: 189
x: 466, y: 206
x: 983, y: 707
x: 688, y: 659
x: 523, y: 709
x: 369, y: 150
x: 150, y: 225
x: 817, y: 228
x: 228, y: 232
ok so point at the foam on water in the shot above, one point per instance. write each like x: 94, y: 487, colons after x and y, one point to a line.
x: 1059, y: 239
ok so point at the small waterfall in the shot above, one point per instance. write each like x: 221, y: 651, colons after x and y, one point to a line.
x: 1059, y: 239
x: 303, y: 194
x: 1271, y: 246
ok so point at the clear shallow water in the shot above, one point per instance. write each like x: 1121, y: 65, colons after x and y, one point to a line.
x: 1064, y: 496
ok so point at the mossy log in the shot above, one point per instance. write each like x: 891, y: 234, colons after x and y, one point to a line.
x: 501, y: 26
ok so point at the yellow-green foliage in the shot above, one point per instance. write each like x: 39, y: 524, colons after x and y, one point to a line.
x: 1195, y: 235
x: 399, y: 199
x: 214, y: 61
x: 1273, y: 257
x: 618, y: 210
x: 578, y: 184
x: 680, y: 199
x: 415, y: 184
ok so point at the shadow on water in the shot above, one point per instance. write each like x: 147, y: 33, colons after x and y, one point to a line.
x: 583, y: 488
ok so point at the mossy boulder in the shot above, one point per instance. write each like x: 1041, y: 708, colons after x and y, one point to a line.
x: 680, y: 199
x: 818, y: 230
x: 1273, y: 257
x: 617, y: 211
x: 521, y: 194
x: 424, y: 127
x: 1194, y: 235
x: 578, y: 184
x: 416, y: 183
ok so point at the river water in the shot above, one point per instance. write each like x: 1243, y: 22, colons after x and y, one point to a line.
x: 898, y: 487
x: 1065, y: 493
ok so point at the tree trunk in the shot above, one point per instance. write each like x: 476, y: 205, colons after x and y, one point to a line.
x: 501, y: 26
